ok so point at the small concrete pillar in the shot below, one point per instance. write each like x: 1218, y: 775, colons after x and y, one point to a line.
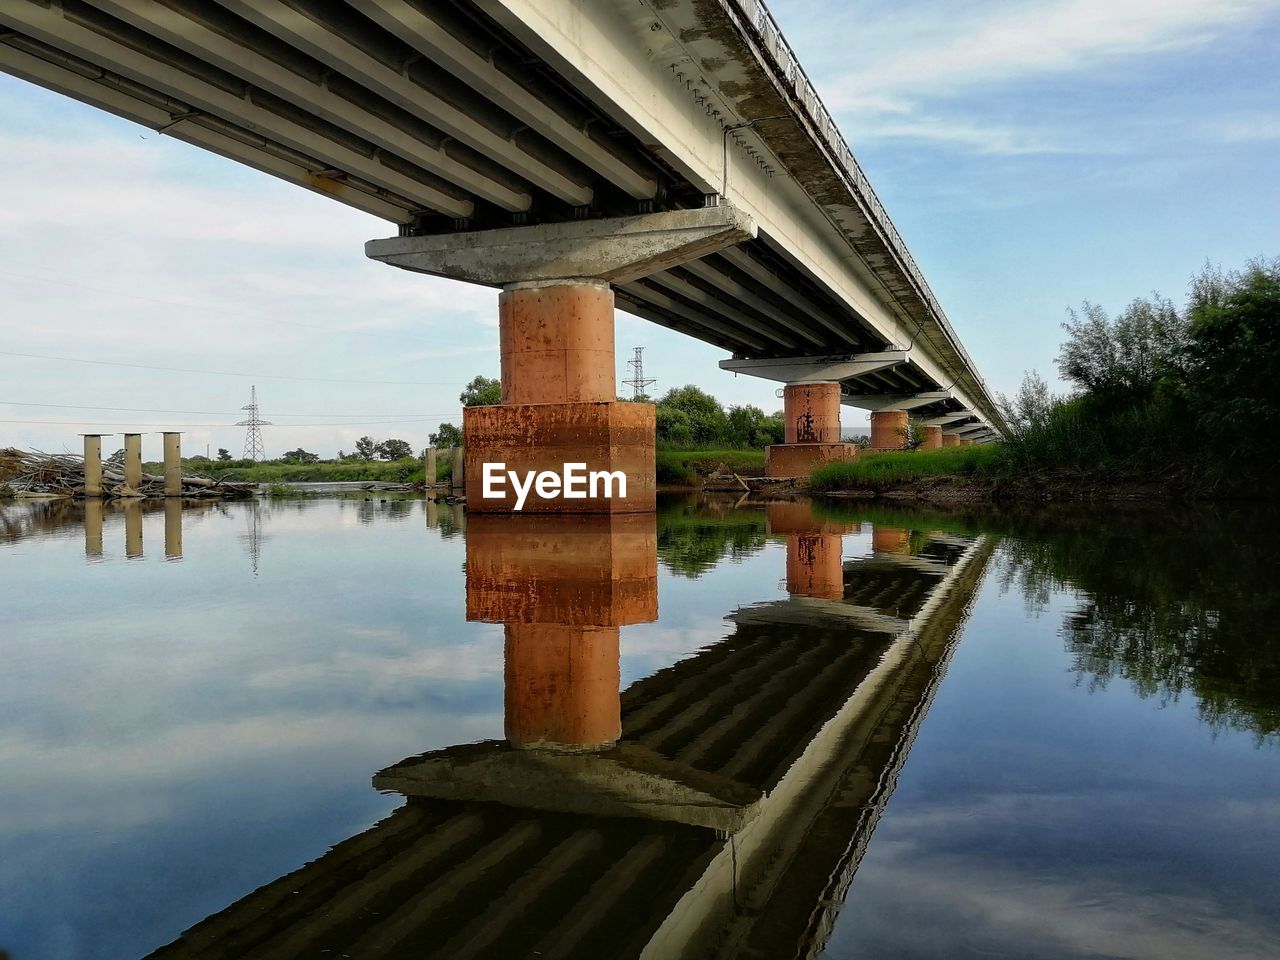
x: 173, y: 529
x: 93, y: 528
x: 172, y: 464
x: 458, y: 478
x: 950, y: 440
x: 429, y: 467
x: 93, y: 466
x: 133, y: 463
x: 132, y: 529
x: 889, y: 429
x: 932, y: 438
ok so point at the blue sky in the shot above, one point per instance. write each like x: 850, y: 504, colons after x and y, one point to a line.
x: 1033, y: 154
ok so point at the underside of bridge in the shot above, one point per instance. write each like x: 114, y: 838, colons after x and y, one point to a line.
x: 468, y: 121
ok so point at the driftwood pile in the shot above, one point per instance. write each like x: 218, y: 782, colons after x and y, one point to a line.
x: 62, y: 474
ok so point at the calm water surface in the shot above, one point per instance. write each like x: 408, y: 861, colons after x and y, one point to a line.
x: 380, y: 728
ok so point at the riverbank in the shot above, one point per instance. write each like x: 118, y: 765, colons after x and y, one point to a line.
x: 991, y: 474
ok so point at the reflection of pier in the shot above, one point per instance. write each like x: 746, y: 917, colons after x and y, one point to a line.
x: 93, y: 515
x: 717, y: 807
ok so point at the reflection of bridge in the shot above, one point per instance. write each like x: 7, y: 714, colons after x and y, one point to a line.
x: 671, y: 154
x: 719, y: 806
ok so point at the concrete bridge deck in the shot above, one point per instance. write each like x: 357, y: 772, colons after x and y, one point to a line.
x: 488, y: 115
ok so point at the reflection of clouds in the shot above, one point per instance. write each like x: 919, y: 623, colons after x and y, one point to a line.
x: 981, y: 910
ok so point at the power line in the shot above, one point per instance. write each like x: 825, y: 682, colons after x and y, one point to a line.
x: 213, y: 413
x: 131, y: 423
x: 226, y: 373
x: 269, y: 318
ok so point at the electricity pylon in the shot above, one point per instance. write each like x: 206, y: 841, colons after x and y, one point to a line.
x: 253, y: 449
x: 638, y: 383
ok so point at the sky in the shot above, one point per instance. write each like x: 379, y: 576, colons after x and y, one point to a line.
x: 1033, y: 155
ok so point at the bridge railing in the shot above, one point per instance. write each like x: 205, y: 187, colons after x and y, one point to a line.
x: 786, y: 65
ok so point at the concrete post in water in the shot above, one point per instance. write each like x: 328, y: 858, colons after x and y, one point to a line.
x: 932, y: 438
x: 173, y: 529
x: 132, y: 529
x: 93, y: 527
x: 429, y: 467
x: 458, y: 478
x: 889, y: 429
x: 811, y: 412
x: 172, y: 464
x: 93, y: 466
x: 133, y: 464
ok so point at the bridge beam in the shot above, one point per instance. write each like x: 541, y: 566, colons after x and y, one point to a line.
x: 556, y: 332
x: 910, y: 402
x: 828, y: 369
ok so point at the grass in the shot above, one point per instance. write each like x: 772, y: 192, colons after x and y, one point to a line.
x: 408, y: 470
x: 684, y: 467
x: 871, y: 470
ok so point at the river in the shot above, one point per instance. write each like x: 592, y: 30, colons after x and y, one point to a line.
x: 374, y: 726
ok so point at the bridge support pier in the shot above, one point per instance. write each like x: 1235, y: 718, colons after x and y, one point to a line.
x: 812, y: 414
x: 556, y: 318
x: 932, y: 438
x: 92, y: 465
x: 889, y: 429
x: 172, y: 464
x: 562, y: 592
x: 559, y: 407
x: 950, y: 440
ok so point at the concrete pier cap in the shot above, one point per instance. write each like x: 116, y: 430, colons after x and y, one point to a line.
x: 559, y: 413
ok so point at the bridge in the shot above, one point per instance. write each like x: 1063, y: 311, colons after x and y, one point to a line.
x: 670, y: 158
x: 719, y: 807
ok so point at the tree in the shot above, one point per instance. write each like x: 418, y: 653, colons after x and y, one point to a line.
x: 708, y: 423
x: 366, y: 448
x: 1130, y: 356
x: 224, y: 454
x: 482, y: 392
x: 447, y: 436
x: 394, y: 449
x: 1030, y: 406
x: 300, y: 456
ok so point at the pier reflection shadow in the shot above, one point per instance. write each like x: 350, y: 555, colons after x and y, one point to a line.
x: 716, y: 808
x: 24, y: 520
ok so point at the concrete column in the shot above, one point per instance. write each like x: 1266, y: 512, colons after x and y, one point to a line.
x: 561, y: 686
x: 559, y: 404
x: 458, y: 478
x: 932, y: 438
x: 173, y: 529
x: 891, y: 540
x: 132, y: 529
x: 93, y: 528
x: 812, y: 412
x: 950, y: 440
x: 93, y: 466
x: 966, y: 442
x: 563, y: 586
x: 133, y: 463
x: 557, y: 343
x: 429, y: 467
x: 888, y: 429
x: 172, y: 464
